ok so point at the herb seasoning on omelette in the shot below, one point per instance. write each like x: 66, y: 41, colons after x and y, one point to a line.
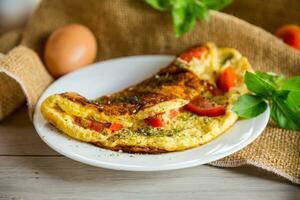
x: 184, y: 105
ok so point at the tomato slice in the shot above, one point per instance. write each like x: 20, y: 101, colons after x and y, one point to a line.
x: 227, y: 79
x: 202, y: 107
x: 209, y: 112
x: 93, y: 125
x: 190, y: 54
x: 173, y: 114
x: 155, y: 122
x: 115, y: 127
x: 83, y: 122
x: 96, y: 126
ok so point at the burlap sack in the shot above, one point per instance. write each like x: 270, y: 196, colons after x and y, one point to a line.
x: 129, y: 27
x: 11, y: 95
x: 267, y: 14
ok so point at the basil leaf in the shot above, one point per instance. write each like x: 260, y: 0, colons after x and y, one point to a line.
x: 273, y: 79
x: 279, y: 80
x: 249, y: 106
x: 200, y: 10
x: 268, y: 78
x: 283, y: 115
x: 186, y: 12
x: 183, y: 17
x: 293, y: 101
x: 292, y: 84
x: 161, y: 5
x: 283, y: 96
x: 260, y: 83
x: 215, y: 4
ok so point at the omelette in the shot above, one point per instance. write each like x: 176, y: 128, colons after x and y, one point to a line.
x: 184, y: 105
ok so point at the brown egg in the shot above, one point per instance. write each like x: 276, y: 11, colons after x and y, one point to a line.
x: 69, y: 48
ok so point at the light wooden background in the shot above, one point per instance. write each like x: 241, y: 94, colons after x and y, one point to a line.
x: 29, y: 169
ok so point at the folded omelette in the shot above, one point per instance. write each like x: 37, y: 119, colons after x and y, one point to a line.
x: 184, y: 105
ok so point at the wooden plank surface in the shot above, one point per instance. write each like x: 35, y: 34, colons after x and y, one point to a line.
x: 31, y: 170
x: 58, y: 177
x: 18, y: 137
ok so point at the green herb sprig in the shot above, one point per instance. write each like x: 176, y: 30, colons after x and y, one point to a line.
x: 283, y: 96
x: 185, y: 13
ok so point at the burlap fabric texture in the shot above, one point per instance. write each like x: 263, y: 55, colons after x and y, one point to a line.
x: 130, y: 27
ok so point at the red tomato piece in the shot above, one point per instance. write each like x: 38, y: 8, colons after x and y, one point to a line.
x: 155, y: 122
x: 227, y: 79
x: 204, y: 107
x: 209, y: 112
x: 77, y: 120
x: 96, y: 126
x: 115, y: 127
x: 86, y: 123
x: 173, y: 114
x: 190, y: 54
x: 290, y: 34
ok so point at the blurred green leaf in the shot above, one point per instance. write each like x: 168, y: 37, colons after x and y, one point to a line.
x: 186, y: 12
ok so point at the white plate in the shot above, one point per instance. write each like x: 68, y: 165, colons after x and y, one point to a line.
x: 113, y: 75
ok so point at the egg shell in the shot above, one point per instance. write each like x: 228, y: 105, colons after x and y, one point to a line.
x: 69, y: 48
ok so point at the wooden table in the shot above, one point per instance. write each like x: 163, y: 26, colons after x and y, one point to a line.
x: 29, y: 169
